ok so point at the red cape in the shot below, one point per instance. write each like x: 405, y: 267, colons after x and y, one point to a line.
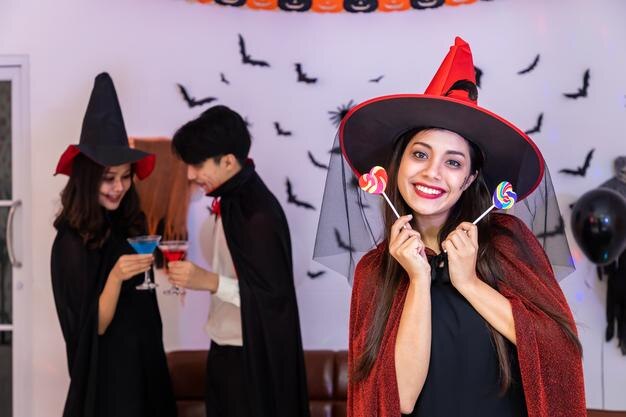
x: 550, y: 365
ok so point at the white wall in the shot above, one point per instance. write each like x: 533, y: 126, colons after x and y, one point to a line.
x: 148, y: 46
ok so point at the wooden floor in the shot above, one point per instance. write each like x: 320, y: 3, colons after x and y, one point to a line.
x: 598, y: 413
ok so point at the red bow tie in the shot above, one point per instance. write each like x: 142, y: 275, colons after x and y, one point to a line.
x: 215, y: 207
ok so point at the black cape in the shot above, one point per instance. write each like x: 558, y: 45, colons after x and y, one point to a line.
x: 258, y: 239
x: 123, y: 372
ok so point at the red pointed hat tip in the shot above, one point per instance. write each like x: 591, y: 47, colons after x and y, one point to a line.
x: 458, y: 41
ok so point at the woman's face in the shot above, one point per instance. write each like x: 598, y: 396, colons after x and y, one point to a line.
x: 434, y: 171
x: 115, y: 183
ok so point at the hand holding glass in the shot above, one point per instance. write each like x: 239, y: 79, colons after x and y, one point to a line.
x: 145, y: 245
x: 173, y: 250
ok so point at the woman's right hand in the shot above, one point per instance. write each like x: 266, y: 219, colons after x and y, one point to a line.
x: 127, y: 266
x: 406, y: 246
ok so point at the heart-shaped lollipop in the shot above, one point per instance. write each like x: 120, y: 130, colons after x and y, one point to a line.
x: 375, y: 181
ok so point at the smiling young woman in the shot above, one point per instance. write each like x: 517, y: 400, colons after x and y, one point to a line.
x: 112, y: 331
x: 448, y: 318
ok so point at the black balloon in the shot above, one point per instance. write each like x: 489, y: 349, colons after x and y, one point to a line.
x: 599, y: 225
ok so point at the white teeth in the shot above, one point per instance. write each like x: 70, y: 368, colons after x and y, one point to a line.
x: 428, y: 190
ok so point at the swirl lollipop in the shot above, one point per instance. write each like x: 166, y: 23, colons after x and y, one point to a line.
x: 375, y: 182
x: 503, y: 198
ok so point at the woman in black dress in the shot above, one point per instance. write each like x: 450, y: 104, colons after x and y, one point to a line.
x: 112, y: 331
x: 448, y: 318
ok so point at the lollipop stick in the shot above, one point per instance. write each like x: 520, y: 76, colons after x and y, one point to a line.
x: 391, y: 205
x: 484, y: 214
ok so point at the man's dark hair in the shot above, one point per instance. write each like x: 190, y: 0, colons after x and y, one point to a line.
x: 216, y: 132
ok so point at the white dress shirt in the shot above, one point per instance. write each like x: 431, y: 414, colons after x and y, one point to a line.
x: 224, y: 323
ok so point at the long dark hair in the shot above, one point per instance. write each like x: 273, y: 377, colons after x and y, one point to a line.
x: 81, y: 211
x: 470, y: 205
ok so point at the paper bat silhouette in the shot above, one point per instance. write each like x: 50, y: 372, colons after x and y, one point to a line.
x: 582, y: 92
x: 479, y: 75
x: 293, y: 199
x: 537, y: 127
x: 223, y: 78
x: 191, y: 101
x: 280, y: 131
x: 316, y: 163
x: 336, y: 150
x: 246, y: 58
x: 580, y: 171
x: 558, y: 230
x: 530, y: 67
x: 302, y: 77
x: 377, y: 79
x: 314, y: 275
x: 341, y: 243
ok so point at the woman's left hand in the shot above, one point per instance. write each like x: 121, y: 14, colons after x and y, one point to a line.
x: 462, y: 248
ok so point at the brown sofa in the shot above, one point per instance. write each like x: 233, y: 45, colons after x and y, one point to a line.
x: 327, y: 378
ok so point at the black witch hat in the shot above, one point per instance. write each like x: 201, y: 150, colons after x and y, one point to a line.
x: 103, y: 138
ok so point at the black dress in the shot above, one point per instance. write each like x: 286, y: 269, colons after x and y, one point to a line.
x: 463, y: 376
x: 123, y: 372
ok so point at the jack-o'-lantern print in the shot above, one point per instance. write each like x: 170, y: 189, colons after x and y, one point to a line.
x: 426, y: 4
x: 360, y: 6
x: 393, y: 5
x: 262, y: 4
x: 459, y: 2
x: 295, y: 5
x: 327, y: 6
x: 234, y: 3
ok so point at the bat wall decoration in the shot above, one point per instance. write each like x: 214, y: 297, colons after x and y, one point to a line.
x: 479, y: 75
x: 341, y: 243
x: 293, y: 199
x: 558, y: 230
x: 582, y: 92
x: 246, y: 58
x: 280, y: 131
x: 580, y: 171
x: 191, y: 101
x: 302, y: 76
x: 531, y: 67
x: 315, y: 162
x: 537, y: 127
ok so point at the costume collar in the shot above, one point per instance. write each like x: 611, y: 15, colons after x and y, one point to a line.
x: 233, y: 184
x: 438, y: 266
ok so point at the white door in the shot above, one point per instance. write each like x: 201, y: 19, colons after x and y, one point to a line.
x: 15, y: 234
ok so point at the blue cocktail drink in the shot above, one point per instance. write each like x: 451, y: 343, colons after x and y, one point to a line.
x: 144, y: 248
x: 145, y: 245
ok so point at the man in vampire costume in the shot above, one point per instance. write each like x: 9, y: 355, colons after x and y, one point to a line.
x: 255, y: 365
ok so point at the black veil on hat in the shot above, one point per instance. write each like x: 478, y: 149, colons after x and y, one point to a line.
x: 103, y: 138
x: 351, y: 220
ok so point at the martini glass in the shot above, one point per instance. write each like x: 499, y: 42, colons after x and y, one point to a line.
x: 173, y: 250
x: 145, y: 245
